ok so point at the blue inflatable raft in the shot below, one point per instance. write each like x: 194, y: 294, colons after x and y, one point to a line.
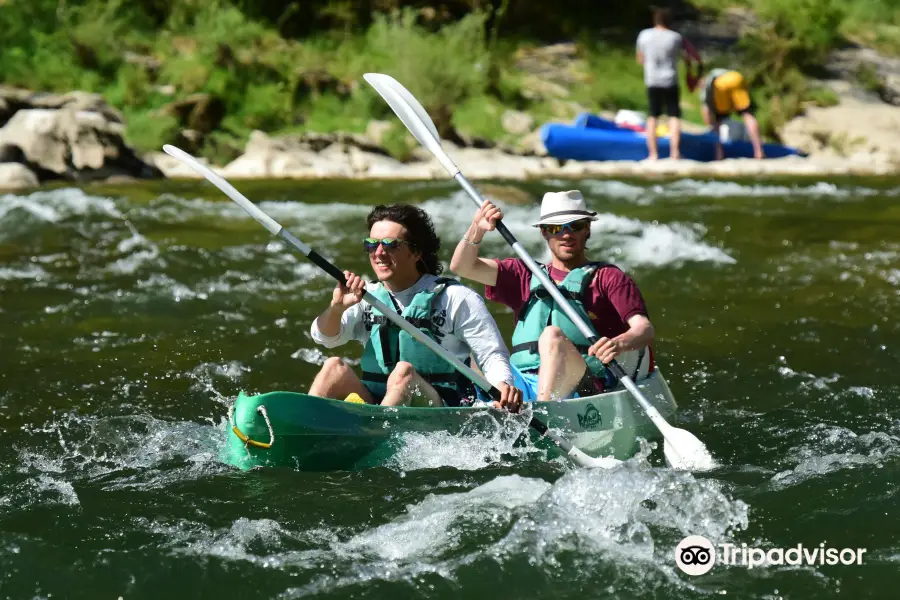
x: 595, y: 138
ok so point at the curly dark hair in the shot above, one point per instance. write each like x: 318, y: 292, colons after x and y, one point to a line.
x: 420, y: 231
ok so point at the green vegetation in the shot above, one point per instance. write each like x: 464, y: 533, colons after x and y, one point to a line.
x: 791, y: 39
x: 207, y: 72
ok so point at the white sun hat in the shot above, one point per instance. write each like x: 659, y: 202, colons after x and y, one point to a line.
x: 559, y: 208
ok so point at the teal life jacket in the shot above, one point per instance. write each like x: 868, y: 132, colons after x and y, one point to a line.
x: 388, y: 344
x: 541, y: 311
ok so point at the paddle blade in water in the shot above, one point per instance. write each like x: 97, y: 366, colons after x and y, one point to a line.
x: 603, y: 462
x: 684, y: 452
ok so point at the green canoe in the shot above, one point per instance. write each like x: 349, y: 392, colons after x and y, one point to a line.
x: 319, y: 434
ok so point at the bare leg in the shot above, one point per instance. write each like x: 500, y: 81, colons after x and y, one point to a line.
x: 720, y: 149
x: 407, y: 388
x: 674, y: 138
x: 652, y: 150
x: 753, y: 130
x: 713, y: 122
x: 562, y: 365
x: 336, y: 380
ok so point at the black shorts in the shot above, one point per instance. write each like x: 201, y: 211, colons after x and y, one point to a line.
x: 664, y: 100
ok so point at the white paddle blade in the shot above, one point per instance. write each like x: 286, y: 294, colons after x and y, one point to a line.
x: 412, y: 115
x: 589, y: 462
x: 684, y: 452
x: 382, y: 82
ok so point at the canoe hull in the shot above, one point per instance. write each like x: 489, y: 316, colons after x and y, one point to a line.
x: 319, y: 434
x: 595, y: 138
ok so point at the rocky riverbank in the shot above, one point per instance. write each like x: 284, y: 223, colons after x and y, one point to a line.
x: 355, y: 157
x: 75, y: 137
x: 78, y: 137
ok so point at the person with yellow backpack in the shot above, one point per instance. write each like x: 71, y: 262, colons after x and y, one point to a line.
x: 723, y: 92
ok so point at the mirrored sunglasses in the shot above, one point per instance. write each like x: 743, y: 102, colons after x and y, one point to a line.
x: 572, y: 227
x: 371, y: 244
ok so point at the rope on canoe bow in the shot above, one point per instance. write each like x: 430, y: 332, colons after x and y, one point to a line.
x: 245, y: 438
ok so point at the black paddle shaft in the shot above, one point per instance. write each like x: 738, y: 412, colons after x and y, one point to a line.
x: 322, y: 262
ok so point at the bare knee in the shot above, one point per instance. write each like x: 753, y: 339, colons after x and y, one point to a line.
x: 333, y: 367
x: 402, y: 375
x: 551, y: 340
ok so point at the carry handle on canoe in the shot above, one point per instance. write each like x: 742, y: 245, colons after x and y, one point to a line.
x: 683, y: 450
x: 277, y: 229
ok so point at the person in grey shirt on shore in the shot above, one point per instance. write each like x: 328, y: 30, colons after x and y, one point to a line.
x: 658, y: 50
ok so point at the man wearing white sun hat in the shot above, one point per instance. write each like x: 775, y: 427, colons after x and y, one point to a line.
x: 551, y: 359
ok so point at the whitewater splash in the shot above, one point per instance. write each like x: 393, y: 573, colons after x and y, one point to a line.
x: 694, y: 188
x: 591, y: 526
x: 625, y: 242
x: 120, y: 248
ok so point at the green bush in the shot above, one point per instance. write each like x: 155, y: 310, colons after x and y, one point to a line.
x: 266, y: 107
x: 132, y: 87
x: 456, y: 57
x: 442, y: 69
x: 147, y: 131
x: 617, y: 80
x: 795, y: 33
x: 481, y: 116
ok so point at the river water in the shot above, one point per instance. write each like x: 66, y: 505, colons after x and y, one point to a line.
x: 130, y: 318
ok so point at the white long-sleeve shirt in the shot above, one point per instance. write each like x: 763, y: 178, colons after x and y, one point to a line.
x: 464, y: 324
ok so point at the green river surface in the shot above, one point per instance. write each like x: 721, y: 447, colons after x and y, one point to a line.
x: 131, y: 317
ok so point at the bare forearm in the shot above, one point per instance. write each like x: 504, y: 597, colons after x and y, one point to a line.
x: 465, y: 258
x: 638, y: 336
x: 465, y: 261
x: 329, y: 322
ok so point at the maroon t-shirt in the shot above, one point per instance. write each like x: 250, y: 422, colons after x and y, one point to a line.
x: 612, y: 297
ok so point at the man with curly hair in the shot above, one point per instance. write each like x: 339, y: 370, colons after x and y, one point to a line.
x: 396, y: 369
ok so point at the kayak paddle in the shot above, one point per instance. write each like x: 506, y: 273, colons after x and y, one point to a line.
x: 682, y: 449
x: 277, y: 229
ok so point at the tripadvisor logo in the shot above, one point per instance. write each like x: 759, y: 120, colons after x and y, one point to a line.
x: 590, y: 418
x: 696, y: 555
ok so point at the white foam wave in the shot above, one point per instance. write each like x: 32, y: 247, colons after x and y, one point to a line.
x: 33, y: 272
x: 718, y: 189
x: 487, y: 439
x: 635, y: 243
x: 624, y: 520
x: 831, y: 448
x: 622, y: 241
x: 174, y: 209
x: 232, y: 281
x: 140, y: 252
x: 57, y: 205
x: 206, y: 375
x: 313, y: 356
x: 807, y: 380
x: 426, y: 529
x: 93, y: 447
